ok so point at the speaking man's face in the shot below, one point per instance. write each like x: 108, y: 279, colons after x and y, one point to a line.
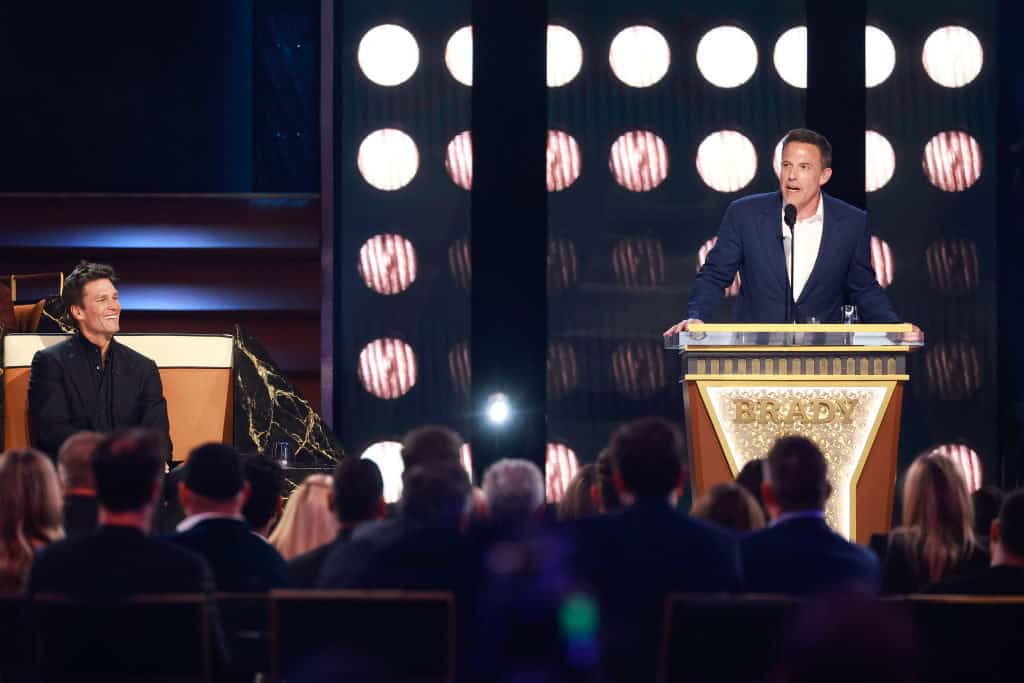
x: 100, y: 313
x: 801, y: 176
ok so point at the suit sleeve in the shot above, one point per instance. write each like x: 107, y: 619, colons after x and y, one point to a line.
x: 48, y: 405
x: 154, y: 405
x: 719, y: 269
x: 863, y: 288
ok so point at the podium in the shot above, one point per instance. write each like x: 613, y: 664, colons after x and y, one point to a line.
x: 195, y: 370
x: 745, y: 385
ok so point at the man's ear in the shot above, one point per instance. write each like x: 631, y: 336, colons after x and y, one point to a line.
x: 826, y: 174
x: 995, y: 531
x: 76, y: 312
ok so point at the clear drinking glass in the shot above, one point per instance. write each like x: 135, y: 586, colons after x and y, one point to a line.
x: 283, y: 453
x: 849, y: 314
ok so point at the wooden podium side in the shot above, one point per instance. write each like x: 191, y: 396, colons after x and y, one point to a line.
x: 195, y: 371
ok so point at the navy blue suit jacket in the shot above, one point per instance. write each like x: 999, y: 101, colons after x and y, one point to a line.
x: 802, y: 556
x: 750, y: 242
x: 242, y: 562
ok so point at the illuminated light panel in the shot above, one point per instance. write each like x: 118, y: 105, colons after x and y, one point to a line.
x: 726, y: 161
x: 563, y: 267
x: 954, y: 370
x: 639, y: 56
x: 879, y: 56
x: 388, y: 159
x: 953, y: 265
x: 562, y: 369
x: 967, y: 461
x: 952, y: 56
x: 564, y: 56
x: 388, y: 55
x: 560, y: 466
x: 466, y: 459
x: 639, y: 160
x: 387, y: 368
x: 882, y: 262
x: 458, y: 55
x: 639, y: 262
x: 952, y: 161
x: 790, y: 56
x: 460, y: 367
x: 727, y: 56
x: 841, y: 420
x: 563, y: 157
x: 388, y: 457
x: 879, y: 161
x: 638, y: 369
x: 702, y: 256
x: 458, y: 161
x: 460, y: 264
x: 387, y: 264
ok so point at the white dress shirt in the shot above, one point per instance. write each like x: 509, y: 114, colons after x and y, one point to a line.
x: 808, y: 241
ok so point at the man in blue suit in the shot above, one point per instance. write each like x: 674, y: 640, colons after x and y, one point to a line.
x: 798, y: 554
x: 832, y: 262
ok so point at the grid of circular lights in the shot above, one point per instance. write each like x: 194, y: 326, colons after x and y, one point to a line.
x: 966, y: 459
x: 388, y: 55
x: 564, y: 56
x: 560, y: 466
x: 952, y: 56
x: 639, y: 160
x: 387, y: 455
x: 726, y: 161
x: 387, y: 263
x: 727, y: 56
x: 388, y: 159
x: 639, y: 56
x: 879, y: 160
x: 790, y: 56
x: 387, y: 368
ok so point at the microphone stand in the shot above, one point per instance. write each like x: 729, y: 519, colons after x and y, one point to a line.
x: 792, y: 273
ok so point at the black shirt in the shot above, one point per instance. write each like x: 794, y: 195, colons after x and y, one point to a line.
x: 102, y: 382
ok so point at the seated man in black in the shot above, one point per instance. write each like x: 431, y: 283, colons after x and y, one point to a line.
x: 357, y: 496
x: 212, y: 493
x: 74, y: 464
x: 798, y: 554
x: 90, y: 382
x: 266, y: 485
x: 1006, y: 541
x: 120, y: 560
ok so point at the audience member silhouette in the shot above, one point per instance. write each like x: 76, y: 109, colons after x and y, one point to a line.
x: 307, y: 521
x: 579, y: 499
x: 729, y: 506
x: 74, y: 465
x: 30, y: 513
x: 514, y: 491
x: 799, y: 554
x: 936, y: 539
x: 429, y: 445
x: 985, y: 502
x: 212, y: 492
x: 751, y: 477
x: 266, y: 486
x: 606, y: 495
x: 357, y: 496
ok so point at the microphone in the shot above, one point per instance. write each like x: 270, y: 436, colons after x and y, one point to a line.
x: 789, y: 217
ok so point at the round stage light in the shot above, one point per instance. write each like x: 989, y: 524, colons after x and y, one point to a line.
x: 460, y: 263
x: 726, y: 161
x: 460, y: 367
x: 459, y: 160
x: 638, y: 369
x: 565, y: 56
x: 879, y: 56
x: 639, y: 56
x: 563, y: 156
x: 879, y: 161
x: 388, y: 55
x: 882, y: 262
x: 966, y: 460
x: 560, y: 466
x: 458, y: 55
x: 499, y: 409
x: 639, y: 160
x: 953, y: 265
x: 790, y: 56
x: 387, y: 368
x: 562, y: 370
x: 387, y: 455
x: 387, y: 263
x: 702, y: 256
x: 388, y: 159
x: 563, y: 267
x: 953, y: 369
x: 727, y: 56
x: 952, y: 161
x: 952, y: 56
x: 639, y: 262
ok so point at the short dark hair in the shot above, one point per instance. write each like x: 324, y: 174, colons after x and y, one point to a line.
x: 435, y: 492
x: 127, y: 465
x: 751, y: 477
x: 648, y: 455
x: 798, y: 473
x: 358, y: 488
x: 266, y: 484
x: 811, y: 137
x: 429, y: 445
x: 1011, y: 523
x: 84, y: 273
x: 214, y: 471
x: 986, y: 502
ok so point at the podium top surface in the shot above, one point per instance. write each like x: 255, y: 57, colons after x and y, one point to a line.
x: 891, y: 337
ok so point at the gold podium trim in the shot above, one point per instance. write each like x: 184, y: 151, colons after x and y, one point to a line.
x: 894, y: 328
x: 835, y: 380
x: 800, y: 349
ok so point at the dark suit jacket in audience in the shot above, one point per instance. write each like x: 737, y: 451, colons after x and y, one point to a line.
x: 80, y: 515
x: 304, y: 569
x: 904, y: 570
x: 117, y: 562
x: 633, y: 559
x: 242, y: 562
x: 802, y: 556
x: 1001, y: 580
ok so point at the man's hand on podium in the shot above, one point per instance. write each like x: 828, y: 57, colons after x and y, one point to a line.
x: 915, y: 335
x: 680, y: 327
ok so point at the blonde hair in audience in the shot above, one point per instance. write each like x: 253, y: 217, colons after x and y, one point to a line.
x: 937, y: 512
x: 31, y: 512
x: 578, y: 500
x: 730, y: 506
x: 307, y: 521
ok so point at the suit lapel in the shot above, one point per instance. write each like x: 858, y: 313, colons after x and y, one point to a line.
x: 769, y: 229
x: 120, y: 385
x: 78, y: 369
x: 828, y: 237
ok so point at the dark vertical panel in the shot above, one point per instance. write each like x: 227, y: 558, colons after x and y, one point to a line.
x: 509, y: 219
x: 327, y: 258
